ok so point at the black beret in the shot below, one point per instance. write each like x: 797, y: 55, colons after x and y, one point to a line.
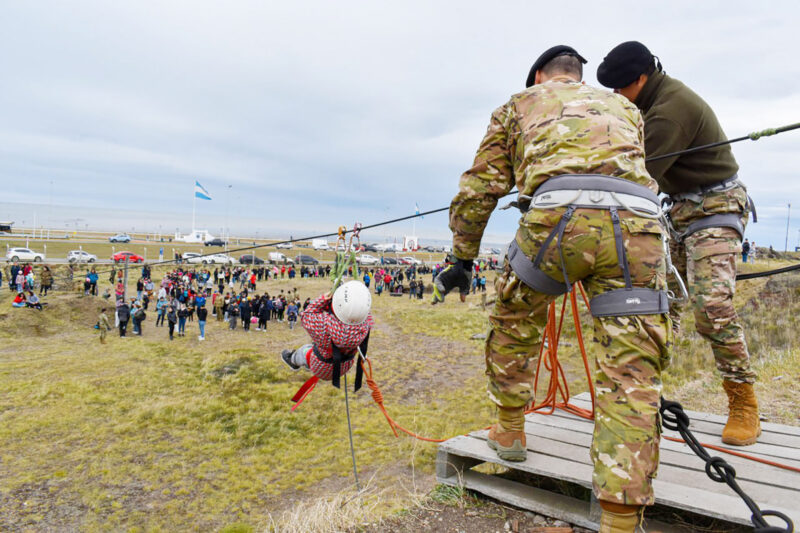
x: 624, y: 64
x: 552, y: 53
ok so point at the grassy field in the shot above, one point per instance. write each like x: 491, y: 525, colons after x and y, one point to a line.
x: 144, y: 434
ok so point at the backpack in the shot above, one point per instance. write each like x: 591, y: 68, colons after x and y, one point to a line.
x: 140, y: 314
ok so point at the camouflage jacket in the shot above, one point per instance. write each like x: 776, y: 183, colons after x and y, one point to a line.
x: 554, y: 128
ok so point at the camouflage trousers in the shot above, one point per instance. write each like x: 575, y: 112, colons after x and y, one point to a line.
x: 630, y: 351
x: 707, y: 261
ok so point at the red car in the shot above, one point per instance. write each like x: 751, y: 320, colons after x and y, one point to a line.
x: 119, y: 257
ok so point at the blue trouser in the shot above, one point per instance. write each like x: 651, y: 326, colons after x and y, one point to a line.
x: 202, y: 325
x: 182, y: 324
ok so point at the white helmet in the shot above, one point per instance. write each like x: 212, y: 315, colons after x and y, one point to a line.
x: 351, y: 302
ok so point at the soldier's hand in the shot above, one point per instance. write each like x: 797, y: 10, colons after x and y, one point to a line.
x: 457, y: 274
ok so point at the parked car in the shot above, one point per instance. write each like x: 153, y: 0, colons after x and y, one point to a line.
x: 278, y: 258
x: 215, y: 242
x: 388, y: 260
x: 119, y: 257
x: 80, y: 256
x: 371, y: 248
x: 366, y: 259
x: 410, y: 261
x: 24, y: 254
x: 218, y: 259
x: 320, y: 244
x: 120, y: 237
x: 284, y: 246
x: 250, y: 259
x: 192, y: 257
x: 306, y: 260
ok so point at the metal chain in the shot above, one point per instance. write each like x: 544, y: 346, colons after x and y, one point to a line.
x: 675, y: 418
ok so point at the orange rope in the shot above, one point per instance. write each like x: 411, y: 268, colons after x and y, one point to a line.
x: 558, y: 383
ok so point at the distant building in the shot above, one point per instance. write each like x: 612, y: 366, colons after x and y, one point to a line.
x: 6, y: 226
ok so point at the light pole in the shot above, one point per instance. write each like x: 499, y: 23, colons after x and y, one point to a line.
x: 788, y: 213
x: 226, y: 233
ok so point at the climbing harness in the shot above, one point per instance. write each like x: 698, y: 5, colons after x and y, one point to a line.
x: 597, y: 192
x: 720, y: 220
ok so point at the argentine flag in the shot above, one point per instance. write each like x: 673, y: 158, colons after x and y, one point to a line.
x: 201, y: 192
x: 416, y: 212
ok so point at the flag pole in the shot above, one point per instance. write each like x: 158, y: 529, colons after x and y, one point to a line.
x: 194, y: 207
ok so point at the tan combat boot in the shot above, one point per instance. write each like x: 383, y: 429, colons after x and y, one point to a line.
x: 507, y: 437
x: 620, y: 518
x: 743, y: 427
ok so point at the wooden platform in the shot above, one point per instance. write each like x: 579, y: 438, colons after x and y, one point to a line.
x: 558, y: 448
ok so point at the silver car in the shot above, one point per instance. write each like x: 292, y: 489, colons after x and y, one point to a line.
x: 80, y: 256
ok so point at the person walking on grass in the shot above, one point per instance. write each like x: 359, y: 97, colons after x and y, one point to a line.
x: 183, y: 313
x: 47, y: 280
x: 202, y: 315
x: 291, y: 312
x: 138, y: 318
x: 103, y: 325
x: 161, y: 310
x: 172, y: 319
x: 233, y: 314
x: 123, y: 315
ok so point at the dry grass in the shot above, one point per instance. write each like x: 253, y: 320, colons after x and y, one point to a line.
x: 144, y: 434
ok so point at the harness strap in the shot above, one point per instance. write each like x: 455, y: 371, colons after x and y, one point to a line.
x: 622, y: 256
x: 727, y: 220
x: 531, y: 275
x: 634, y: 301
x: 359, y: 369
x: 529, y: 272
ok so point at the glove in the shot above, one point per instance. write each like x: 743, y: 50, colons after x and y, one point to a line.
x: 458, y: 273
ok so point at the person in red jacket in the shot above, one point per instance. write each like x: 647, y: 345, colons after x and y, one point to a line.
x: 338, y: 325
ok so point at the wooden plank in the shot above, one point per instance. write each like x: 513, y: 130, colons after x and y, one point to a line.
x: 766, y: 451
x: 543, y: 447
x: 725, y: 507
x: 711, y: 432
x: 584, y: 401
x: 675, y: 454
x: 541, y: 501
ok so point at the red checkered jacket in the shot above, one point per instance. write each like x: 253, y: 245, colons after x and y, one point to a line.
x: 325, y: 329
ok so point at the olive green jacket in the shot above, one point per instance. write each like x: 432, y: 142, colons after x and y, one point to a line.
x: 676, y: 118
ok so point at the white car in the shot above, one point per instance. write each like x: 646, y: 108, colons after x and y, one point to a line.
x: 80, y: 256
x: 366, y: 259
x: 284, y: 246
x: 218, y: 259
x: 193, y: 258
x: 411, y: 260
x: 24, y: 254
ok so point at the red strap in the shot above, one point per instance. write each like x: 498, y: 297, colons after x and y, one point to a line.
x: 304, y: 391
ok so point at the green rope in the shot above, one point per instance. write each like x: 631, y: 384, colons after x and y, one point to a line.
x: 343, y: 262
x: 756, y: 135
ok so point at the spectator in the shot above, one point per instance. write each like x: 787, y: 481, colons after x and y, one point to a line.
x: 161, y: 311
x: 47, y: 280
x: 183, y: 313
x: 745, y: 250
x: 138, y: 315
x: 172, y: 319
x: 202, y: 315
x: 123, y: 315
x: 19, y: 300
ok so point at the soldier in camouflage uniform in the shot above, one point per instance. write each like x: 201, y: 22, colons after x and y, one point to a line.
x: 559, y: 126
x: 709, y: 213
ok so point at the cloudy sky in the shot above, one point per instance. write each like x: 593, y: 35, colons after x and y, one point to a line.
x: 318, y: 114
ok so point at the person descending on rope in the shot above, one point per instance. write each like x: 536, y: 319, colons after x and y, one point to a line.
x: 338, y: 325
